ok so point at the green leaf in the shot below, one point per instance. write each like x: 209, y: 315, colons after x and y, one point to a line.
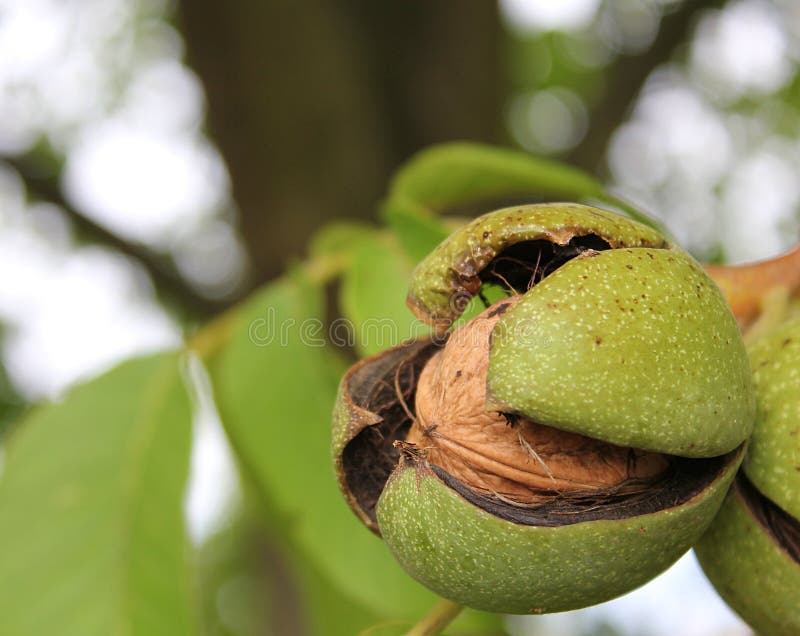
x: 339, y: 238
x: 276, y: 389
x: 418, y: 230
x: 373, y: 296
x: 329, y: 612
x: 236, y: 574
x: 91, y: 515
x: 253, y: 584
x: 457, y: 174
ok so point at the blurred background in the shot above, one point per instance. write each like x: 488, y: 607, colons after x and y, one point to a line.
x: 161, y: 159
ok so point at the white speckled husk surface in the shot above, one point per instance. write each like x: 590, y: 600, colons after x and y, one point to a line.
x: 751, y: 572
x: 632, y: 346
x: 773, y: 461
x: 474, y: 558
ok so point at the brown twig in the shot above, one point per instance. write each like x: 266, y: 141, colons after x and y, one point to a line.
x: 169, y: 285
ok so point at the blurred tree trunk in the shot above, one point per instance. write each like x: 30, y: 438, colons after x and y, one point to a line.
x: 313, y: 104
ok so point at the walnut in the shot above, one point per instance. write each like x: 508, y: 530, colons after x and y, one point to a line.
x: 508, y: 456
x: 569, y: 443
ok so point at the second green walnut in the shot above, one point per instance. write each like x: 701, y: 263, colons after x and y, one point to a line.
x: 751, y: 553
x: 571, y: 441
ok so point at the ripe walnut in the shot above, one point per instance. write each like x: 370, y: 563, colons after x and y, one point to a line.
x: 511, y: 457
x: 567, y: 444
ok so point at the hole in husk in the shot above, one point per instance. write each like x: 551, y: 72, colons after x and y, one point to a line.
x: 519, y: 267
x: 782, y: 527
x: 510, y: 456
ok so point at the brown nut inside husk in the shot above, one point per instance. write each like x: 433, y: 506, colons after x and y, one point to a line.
x: 423, y: 403
x: 510, y: 457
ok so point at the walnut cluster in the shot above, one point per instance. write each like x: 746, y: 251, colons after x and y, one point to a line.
x: 506, y: 456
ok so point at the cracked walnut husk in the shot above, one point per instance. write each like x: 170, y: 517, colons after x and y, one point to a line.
x: 568, y: 443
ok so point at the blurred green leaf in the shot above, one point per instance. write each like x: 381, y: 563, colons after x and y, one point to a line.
x: 339, y: 238
x: 91, y: 514
x: 373, y: 296
x: 234, y: 576
x: 276, y: 388
x: 328, y: 612
x: 457, y: 174
x: 276, y: 395
x: 251, y: 583
x: 418, y: 230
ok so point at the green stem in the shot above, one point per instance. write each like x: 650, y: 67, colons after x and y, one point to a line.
x: 437, y: 619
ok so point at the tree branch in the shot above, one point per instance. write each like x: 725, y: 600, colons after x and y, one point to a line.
x: 628, y: 75
x: 169, y: 285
